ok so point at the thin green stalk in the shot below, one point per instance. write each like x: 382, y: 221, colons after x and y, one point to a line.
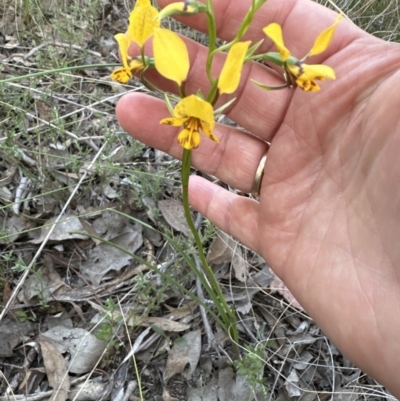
x: 227, y: 315
x: 212, y: 34
x: 149, y: 85
x: 182, y: 90
x: 212, y: 96
x: 244, y: 26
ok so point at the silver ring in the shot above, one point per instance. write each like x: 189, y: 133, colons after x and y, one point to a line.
x: 255, y: 189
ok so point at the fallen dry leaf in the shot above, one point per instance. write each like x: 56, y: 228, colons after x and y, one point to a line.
x: 56, y: 371
x: 292, y: 384
x: 173, y: 212
x: 277, y: 285
x: 206, y: 393
x: 11, y: 334
x: 85, y: 349
x: 183, y: 311
x: 106, y: 257
x: 234, y: 387
x: 221, y: 249
x: 13, y: 227
x: 239, y: 265
x: 43, y: 283
x: 67, y: 228
x: 181, y: 356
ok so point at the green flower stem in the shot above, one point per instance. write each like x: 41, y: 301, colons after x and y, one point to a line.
x: 213, y: 94
x: 271, y: 88
x: 148, y: 84
x: 212, y: 34
x: 244, y: 26
x: 182, y: 91
x: 56, y: 70
x: 142, y: 55
x: 273, y: 57
x: 212, y: 286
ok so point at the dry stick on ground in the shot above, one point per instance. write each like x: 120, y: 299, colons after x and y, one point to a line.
x: 17, y: 379
x: 25, y: 56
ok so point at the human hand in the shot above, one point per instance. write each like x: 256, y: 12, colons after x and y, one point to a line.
x: 328, y: 220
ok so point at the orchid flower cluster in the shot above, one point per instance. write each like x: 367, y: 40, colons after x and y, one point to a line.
x: 195, y: 112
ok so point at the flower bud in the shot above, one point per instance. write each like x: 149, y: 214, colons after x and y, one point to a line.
x: 188, y: 7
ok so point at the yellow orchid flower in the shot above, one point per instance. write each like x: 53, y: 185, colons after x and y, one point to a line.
x: 304, y: 75
x: 171, y: 57
x: 142, y: 22
x: 194, y: 114
x: 129, y: 66
x: 180, y: 8
x: 231, y: 71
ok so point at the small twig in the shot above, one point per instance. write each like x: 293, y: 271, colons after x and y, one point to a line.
x: 151, y: 340
x: 129, y: 390
x: 136, y: 346
x: 20, y: 193
x: 26, y: 56
x: 162, y: 267
x: 26, y: 159
x: 23, y: 397
x: 198, y: 221
x: 246, y: 328
x: 17, y: 379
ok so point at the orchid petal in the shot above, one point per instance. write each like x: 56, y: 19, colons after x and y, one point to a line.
x: 274, y: 32
x: 194, y: 114
x: 123, y: 45
x: 193, y: 106
x: 305, y: 75
x: 309, y: 72
x: 173, y: 121
x: 230, y: 75
x: 324, y: 38
x: 170, y: 55
x: 189, y: 139
x: 136, y: 65
x: 121, y: 75
x: 205, y: 127
x: 308, y: 85
x: 142, y: 22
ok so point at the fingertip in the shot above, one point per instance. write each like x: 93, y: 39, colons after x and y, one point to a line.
x: 200, y: 190
x: 128, y: 108
x: 140, y: 115
x: 211, y: 201
x: 122, y: 107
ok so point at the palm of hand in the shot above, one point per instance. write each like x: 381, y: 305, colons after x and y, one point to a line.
x: 330, y: 211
